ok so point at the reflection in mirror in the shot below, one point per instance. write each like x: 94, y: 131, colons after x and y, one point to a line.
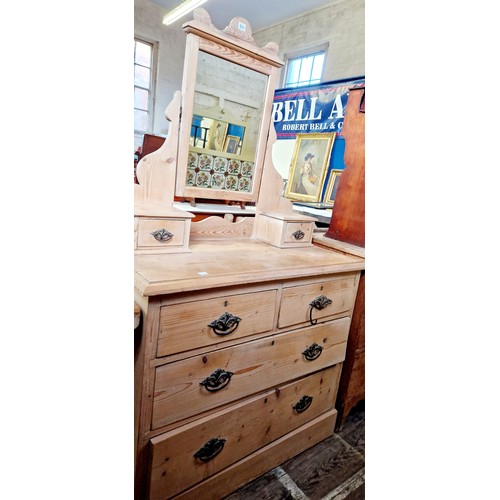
x: 227, y: 116
x: 217, y: 135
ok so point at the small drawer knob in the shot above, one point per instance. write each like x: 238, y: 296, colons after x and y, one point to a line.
x: 298, y: 235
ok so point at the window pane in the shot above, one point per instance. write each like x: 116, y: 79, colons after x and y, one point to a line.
x: 293, y: 71
x: 143, y: 54
x: 140, y: 120
x: 141, y: 98
x: 305, y: 70
x: 141, y: 76
x: 317, y: 67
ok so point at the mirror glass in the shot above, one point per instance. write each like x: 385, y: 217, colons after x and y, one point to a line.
x: 227, y: 116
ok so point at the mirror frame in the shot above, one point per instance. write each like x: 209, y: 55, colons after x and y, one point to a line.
x: 234, y: 44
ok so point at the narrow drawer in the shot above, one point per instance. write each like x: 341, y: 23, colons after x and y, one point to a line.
x: 296, y: 308
x: 204, y: 382
x: 169, y: 232
x: 193, y: 452
x: 298, y: 232
x: 201, y: 323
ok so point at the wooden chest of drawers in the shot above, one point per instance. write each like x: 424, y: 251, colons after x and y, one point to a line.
x: 239, y: 361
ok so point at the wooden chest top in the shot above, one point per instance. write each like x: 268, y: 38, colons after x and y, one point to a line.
x: 221, y: 263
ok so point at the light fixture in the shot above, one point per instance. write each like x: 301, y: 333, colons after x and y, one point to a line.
x: 181, y: 10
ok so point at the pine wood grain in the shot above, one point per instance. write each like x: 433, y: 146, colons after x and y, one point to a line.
x: 255, y: 365
x: 235, y: 262
x: 226, y: 481
x: 246, y: 427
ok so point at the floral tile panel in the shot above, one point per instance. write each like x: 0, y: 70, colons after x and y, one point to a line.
x: 218, y: 172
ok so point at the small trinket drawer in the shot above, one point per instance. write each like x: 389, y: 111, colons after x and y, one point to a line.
x: 156, y: 234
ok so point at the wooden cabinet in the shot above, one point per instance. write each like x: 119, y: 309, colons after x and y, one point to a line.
x: 240, y: 360
x: 347, y: 233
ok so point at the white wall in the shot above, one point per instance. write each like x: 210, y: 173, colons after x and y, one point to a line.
x: 341, y: 25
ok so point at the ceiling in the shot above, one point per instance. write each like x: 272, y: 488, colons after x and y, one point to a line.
x: 259, y: 13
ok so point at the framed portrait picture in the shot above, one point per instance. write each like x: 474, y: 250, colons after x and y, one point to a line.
x: 231, y: 145
x: 309, y: 165
x: 331, y: 188
x: 217, y: 135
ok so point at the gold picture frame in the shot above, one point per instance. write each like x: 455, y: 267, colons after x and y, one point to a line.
x: 217, y: 135
x: 331, y: 188
x: 309, y: 165
x: 231, y: 144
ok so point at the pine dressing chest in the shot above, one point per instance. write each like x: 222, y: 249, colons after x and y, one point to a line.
x: 244, y: 324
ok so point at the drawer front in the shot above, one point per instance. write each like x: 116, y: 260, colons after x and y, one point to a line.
x: 187, y: 326
x: 228, y: 480
x: 191, y: 453
x: 298, y: 232
x: 295, y: 306
x: 193, y: 385
x: 175, y: 227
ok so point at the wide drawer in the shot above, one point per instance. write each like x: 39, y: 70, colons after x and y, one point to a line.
x: 331, y: 297
x: 193, y: 385
x: 224, y: 482
x: 189, y: 454
x: 160, y: 233
x: 200, y: 323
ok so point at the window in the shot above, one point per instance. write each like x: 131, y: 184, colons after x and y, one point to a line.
x: 304, y: 70
x: 144, y: 71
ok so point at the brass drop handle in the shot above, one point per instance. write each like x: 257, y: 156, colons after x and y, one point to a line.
x: 162, y: 235
x: 318, y: 303
x: 303, y: 404
x: 210, y: 449
x: 217, y: 380
x: 298, y: 235
x: 312, y: 352
x: 225, y: 324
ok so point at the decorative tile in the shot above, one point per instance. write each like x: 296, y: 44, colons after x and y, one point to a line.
x: 218, y: 181
x: 244, y: 184
x: 202, y: 179
x: 247, y: 168
x: 190, y: 176
x: 205, y: 162
x: 232, y: 182
x: 219, y: 164
x: 192, y: 160
x: 233, y: 167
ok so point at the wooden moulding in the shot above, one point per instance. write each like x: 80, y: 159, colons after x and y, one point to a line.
x: 218, y: 228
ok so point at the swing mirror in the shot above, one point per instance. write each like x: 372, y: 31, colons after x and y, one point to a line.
x: 226, y: 111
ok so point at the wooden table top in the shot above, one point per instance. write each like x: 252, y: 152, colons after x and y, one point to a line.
x: 213, y: 264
